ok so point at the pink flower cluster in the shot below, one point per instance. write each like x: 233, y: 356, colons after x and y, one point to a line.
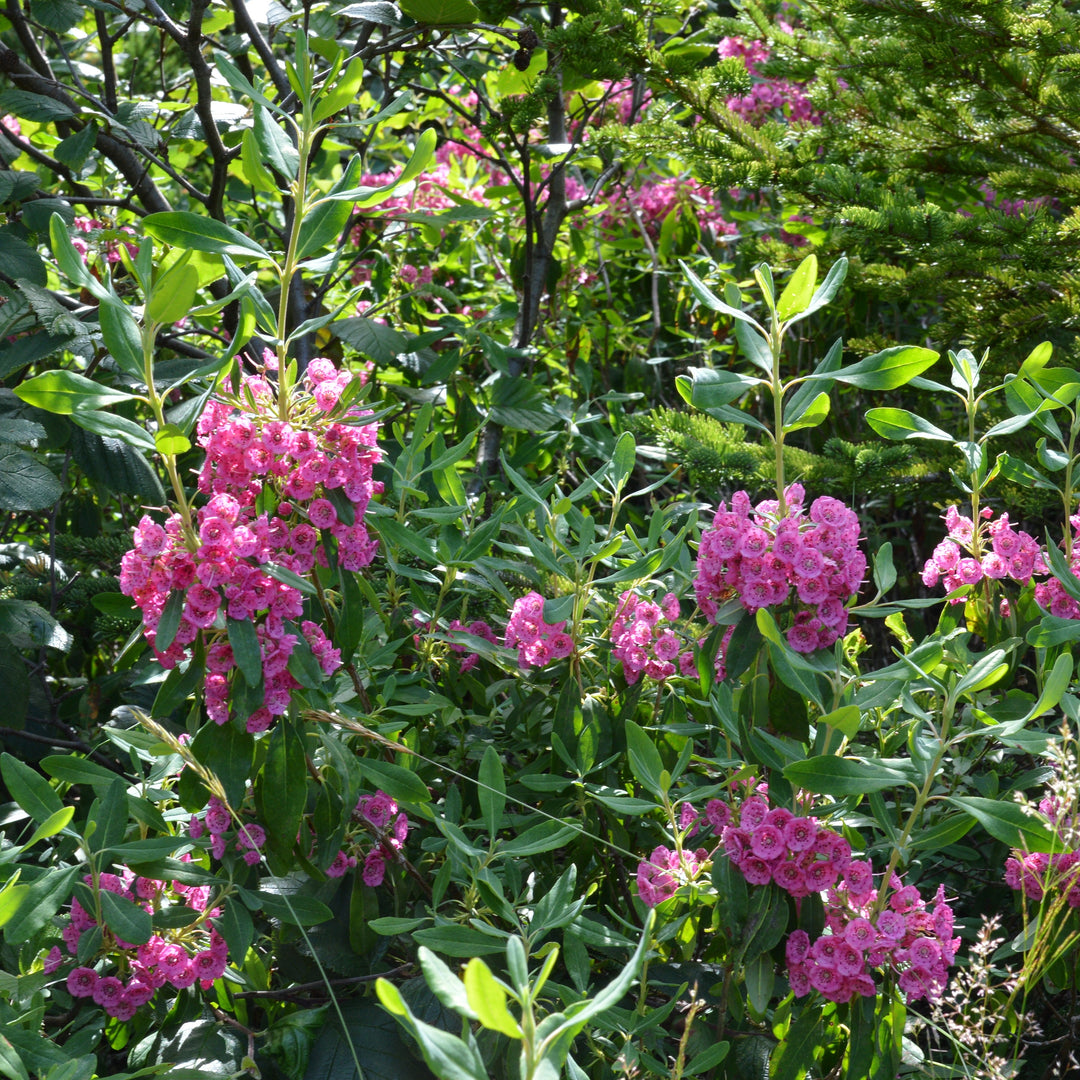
x: 111, y: 248
x: 1051, y: 594
x: 644, y: 645
x: 268, y: 483
x: 993, y: 549
x: 660, y: 876
x: 1035, y: 873
x: 537, y: 642
x: 751, y: 553
x: 381, y: 815
x: 193, y: 954
x: 248, y: 838
x: 802, y: 857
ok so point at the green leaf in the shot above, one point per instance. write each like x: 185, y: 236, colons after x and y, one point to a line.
x: 41, y: 902
x: 795, y: 1054
x: 122, y: 338
x: 826, y: 290
x: 885, y: 370
x: 847, y: 720
x: 11, y: 1063
x: 488, y: 999
x: 170, y: 441
x: 116, y: 464
x: 289, y: 577
x: 623, y: 459
x: 645, y: 761
x: 275, y: 146
x: 282, y: 785
x: 448, y: 1056
x: 72, y: 769
x: 30, y: 626
x: 799, y: 290
x: 945, y: 832
x: 228, y: 753
x: 884, y: 571
x: 294, y: 909
x: 813, y: 414
x: 235, y: 925
x: 547, y: 836
x: 29, y: 789
x: 25, y: 484
x: 900, y: 424
x: 36, y: 107
x: 55, y: 823
x: 20, y: 260
x: 365, y: 197
x: 710, y: 300
x: 173, y: 294
x: 1009, y: 823
x: 441, y: 12
x: 126, y: 920
x: 245, y: 649
x: 325, y: 224
x: 712, y: 389
x: 459, y: 941
x: 169, y: 622
x: 65, y: 391
x: 192, y: 232
x: 755, y: 347
x: 491, y: 791
x: 1060, y: 568
x: 1053, y: 631
x: 831, y: 775
x: 401, y: 784
x: 110, y: 426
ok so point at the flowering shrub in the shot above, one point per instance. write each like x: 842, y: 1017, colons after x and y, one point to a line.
x: 270, y: 478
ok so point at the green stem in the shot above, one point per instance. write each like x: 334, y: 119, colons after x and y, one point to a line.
x: 776, y: 338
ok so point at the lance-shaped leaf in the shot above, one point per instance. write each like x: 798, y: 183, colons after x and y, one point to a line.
x: 885, y: 370
x: 1009, y: 823
x: 825, y: 291
x: 798, y: 292
x: 901, y: 425
x: 712, y: 389
x: 192, y: 232
x: 364, y: 197
x: 710, y: 300
x: 65, y: 391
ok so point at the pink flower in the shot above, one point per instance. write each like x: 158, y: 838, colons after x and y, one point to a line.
x: 82, y: 981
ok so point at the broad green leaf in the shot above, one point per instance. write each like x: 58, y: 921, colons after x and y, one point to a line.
x: 755, y: 347
x: 945, y: 832
x: 29, y: 789
x: 795, y: 1054
x: 1037, y: 359
x: 11, y: 898
x: 885, y: 370
x: 25, y: 483
x: 811, y: 416
x: 441, y: 12
x: 884, y: 570
x: 448, y: 1056
x: 488, y: 999
x: 192, y: 232
x: 712, y: 388
x: 831, y: 775
x: 808, y: 391
x: 645, y: 761
x: 846, y: 720
x: 547, y: 836
x: 126, y: 920
x: 171, y: 441
x: 274, y: 145
x: 901, y: 424
x: 623, y: 459
x: 491, y: 791
x: 122, y: 337
x: 294, y: 909
x: 65, y: 391
x: 245, y: 649
x: 173, y: 295
x: 228, y: 753
x: 1020, y: 472
x: 1009, y: 823
x: 826, y: 291
x: 282, y: 785
x: 986, y: 671
x: 53, y: 824
x: 325, y: 224
x: 445, y: 985
x: 795, y: 298
x: 1061, y: 569
x: 169, y: 622
x: 344, y: 91
x: 110, y: 426
x: 365, y: 197
x: 289, y: 577
x: 41, y: 902
x: 1053, y: 631
x: 458, y: 941
x: 401, y: 784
